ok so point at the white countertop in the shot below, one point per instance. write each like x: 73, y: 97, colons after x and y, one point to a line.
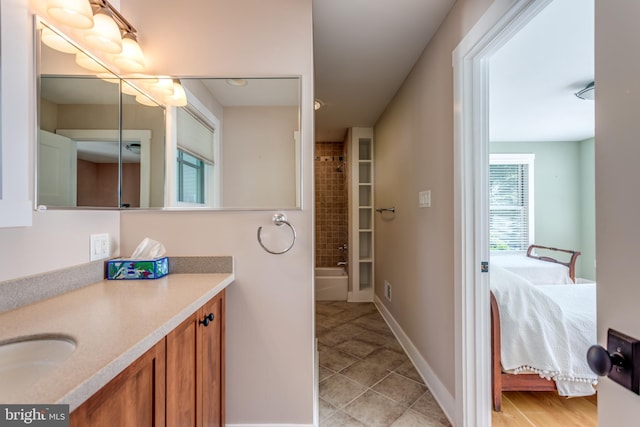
x: 113, y: 322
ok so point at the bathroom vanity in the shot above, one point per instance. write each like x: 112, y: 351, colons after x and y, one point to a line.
x: 147, y: 352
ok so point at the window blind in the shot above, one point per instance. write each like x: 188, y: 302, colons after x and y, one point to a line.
x: 509, y: 206
x: 194, y: 136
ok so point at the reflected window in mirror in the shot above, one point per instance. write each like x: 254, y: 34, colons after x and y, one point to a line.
x: 197, y: 145
x: 191, y: 178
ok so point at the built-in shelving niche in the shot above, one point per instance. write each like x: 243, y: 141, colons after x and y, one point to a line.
x: 361, y: 211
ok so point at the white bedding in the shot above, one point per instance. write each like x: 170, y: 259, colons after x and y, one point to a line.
x: 536, y: 271
x: 547, y: 330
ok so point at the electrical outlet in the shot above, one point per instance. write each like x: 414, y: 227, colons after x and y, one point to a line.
x: 387, y: 290
x: 99, y: 246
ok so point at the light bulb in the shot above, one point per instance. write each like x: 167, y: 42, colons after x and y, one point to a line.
x: 105, y: 34
x: 108, y: 77
x: 129, y: 89
x: 85, y: 61
x: 237, y: 82
x: 179, y: 97
x: 56, y: 41
x: 131, y: 59
x: 161, y: 88
x: 145, y: 100
x: 73, y: 13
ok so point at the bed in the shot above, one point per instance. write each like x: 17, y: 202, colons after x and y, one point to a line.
x: 537, y: 266
x: 540, y: 330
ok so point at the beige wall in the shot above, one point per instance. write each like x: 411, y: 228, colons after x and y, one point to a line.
x: 56, y: 240
x: 258, y: 163
x: 414, y: 152
x: 617, y: 206
x: 134, y: 116
x: 270, y: 306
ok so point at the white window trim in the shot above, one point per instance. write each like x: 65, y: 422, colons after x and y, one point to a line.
x: 521, y: 159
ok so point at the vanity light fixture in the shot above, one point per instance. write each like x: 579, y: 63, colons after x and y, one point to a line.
x: 145, y: 100
x: 237, y: 82
x: 108, y: 77
x: 179, y: 96
x: 110, y: 37
x: 161, y: 88
x: 129, y: 89
x: 104, y: 36
x: 89, y: 63
x: 131, y: 59
x: 72, y: 13
x: 56, y: 41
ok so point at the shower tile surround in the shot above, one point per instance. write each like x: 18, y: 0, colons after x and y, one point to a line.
x: 331, y: 203
x: 366, y: 379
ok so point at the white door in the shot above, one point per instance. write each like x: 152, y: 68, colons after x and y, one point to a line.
x: 57, y: 170
x: 617, y: 153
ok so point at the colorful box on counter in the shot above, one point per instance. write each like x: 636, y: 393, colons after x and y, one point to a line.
x: 120, y: 268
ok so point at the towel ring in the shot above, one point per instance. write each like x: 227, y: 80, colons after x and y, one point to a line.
x: 278, y: 219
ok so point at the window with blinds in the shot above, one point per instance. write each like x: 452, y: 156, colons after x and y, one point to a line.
x: 191, y: 173
x: 195, y: 157
x: 510, y: 202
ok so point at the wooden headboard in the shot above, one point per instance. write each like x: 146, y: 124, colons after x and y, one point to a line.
x: 571, y: 264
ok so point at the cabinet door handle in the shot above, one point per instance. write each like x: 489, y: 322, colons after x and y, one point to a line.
x: 207, y: 319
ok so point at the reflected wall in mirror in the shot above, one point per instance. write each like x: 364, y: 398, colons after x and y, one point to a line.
x: 237, y: 144
x: 104, y: 143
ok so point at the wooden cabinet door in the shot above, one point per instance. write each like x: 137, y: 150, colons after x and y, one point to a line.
x: 183, y: 366
x: 195, y: 368
x: 135, y: 398
x: 212, y: 364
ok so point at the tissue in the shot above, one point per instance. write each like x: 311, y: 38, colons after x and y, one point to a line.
x: 146, y: 262
x: 148, y: 249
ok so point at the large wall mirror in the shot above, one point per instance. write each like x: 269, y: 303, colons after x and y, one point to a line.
x: 103, y: 143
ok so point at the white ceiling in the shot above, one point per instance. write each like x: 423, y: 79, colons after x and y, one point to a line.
x: 533, y: 77
x: 364, y: 49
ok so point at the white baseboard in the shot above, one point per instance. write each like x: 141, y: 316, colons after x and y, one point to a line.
x: 439, y: 391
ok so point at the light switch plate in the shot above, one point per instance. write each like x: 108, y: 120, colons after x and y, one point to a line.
x: 424, y: 199
x: 99, y: 246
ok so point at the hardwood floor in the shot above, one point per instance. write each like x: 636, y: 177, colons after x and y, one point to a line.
x: 538, y: 409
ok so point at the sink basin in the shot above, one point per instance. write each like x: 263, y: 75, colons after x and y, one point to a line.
x: 25, y: 360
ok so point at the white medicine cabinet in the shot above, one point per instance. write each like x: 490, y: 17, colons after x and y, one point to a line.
x: 15, y: 87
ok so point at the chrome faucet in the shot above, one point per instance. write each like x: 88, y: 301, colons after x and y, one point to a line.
x: 341, y: 263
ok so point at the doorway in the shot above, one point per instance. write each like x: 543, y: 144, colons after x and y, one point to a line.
x: 472, y: 65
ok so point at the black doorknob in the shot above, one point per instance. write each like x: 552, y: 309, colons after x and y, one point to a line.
x: 207, y: 319
x: 601, y: 361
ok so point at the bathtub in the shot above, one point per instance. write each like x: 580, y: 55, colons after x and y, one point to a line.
x: 332, y: 284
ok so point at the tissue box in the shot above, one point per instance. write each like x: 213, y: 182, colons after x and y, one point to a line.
x: 137, y: 269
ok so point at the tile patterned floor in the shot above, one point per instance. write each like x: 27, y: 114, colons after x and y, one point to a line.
x: 366, y: 379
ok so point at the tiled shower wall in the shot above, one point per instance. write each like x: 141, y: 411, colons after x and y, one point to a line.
x: 331, y: 203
